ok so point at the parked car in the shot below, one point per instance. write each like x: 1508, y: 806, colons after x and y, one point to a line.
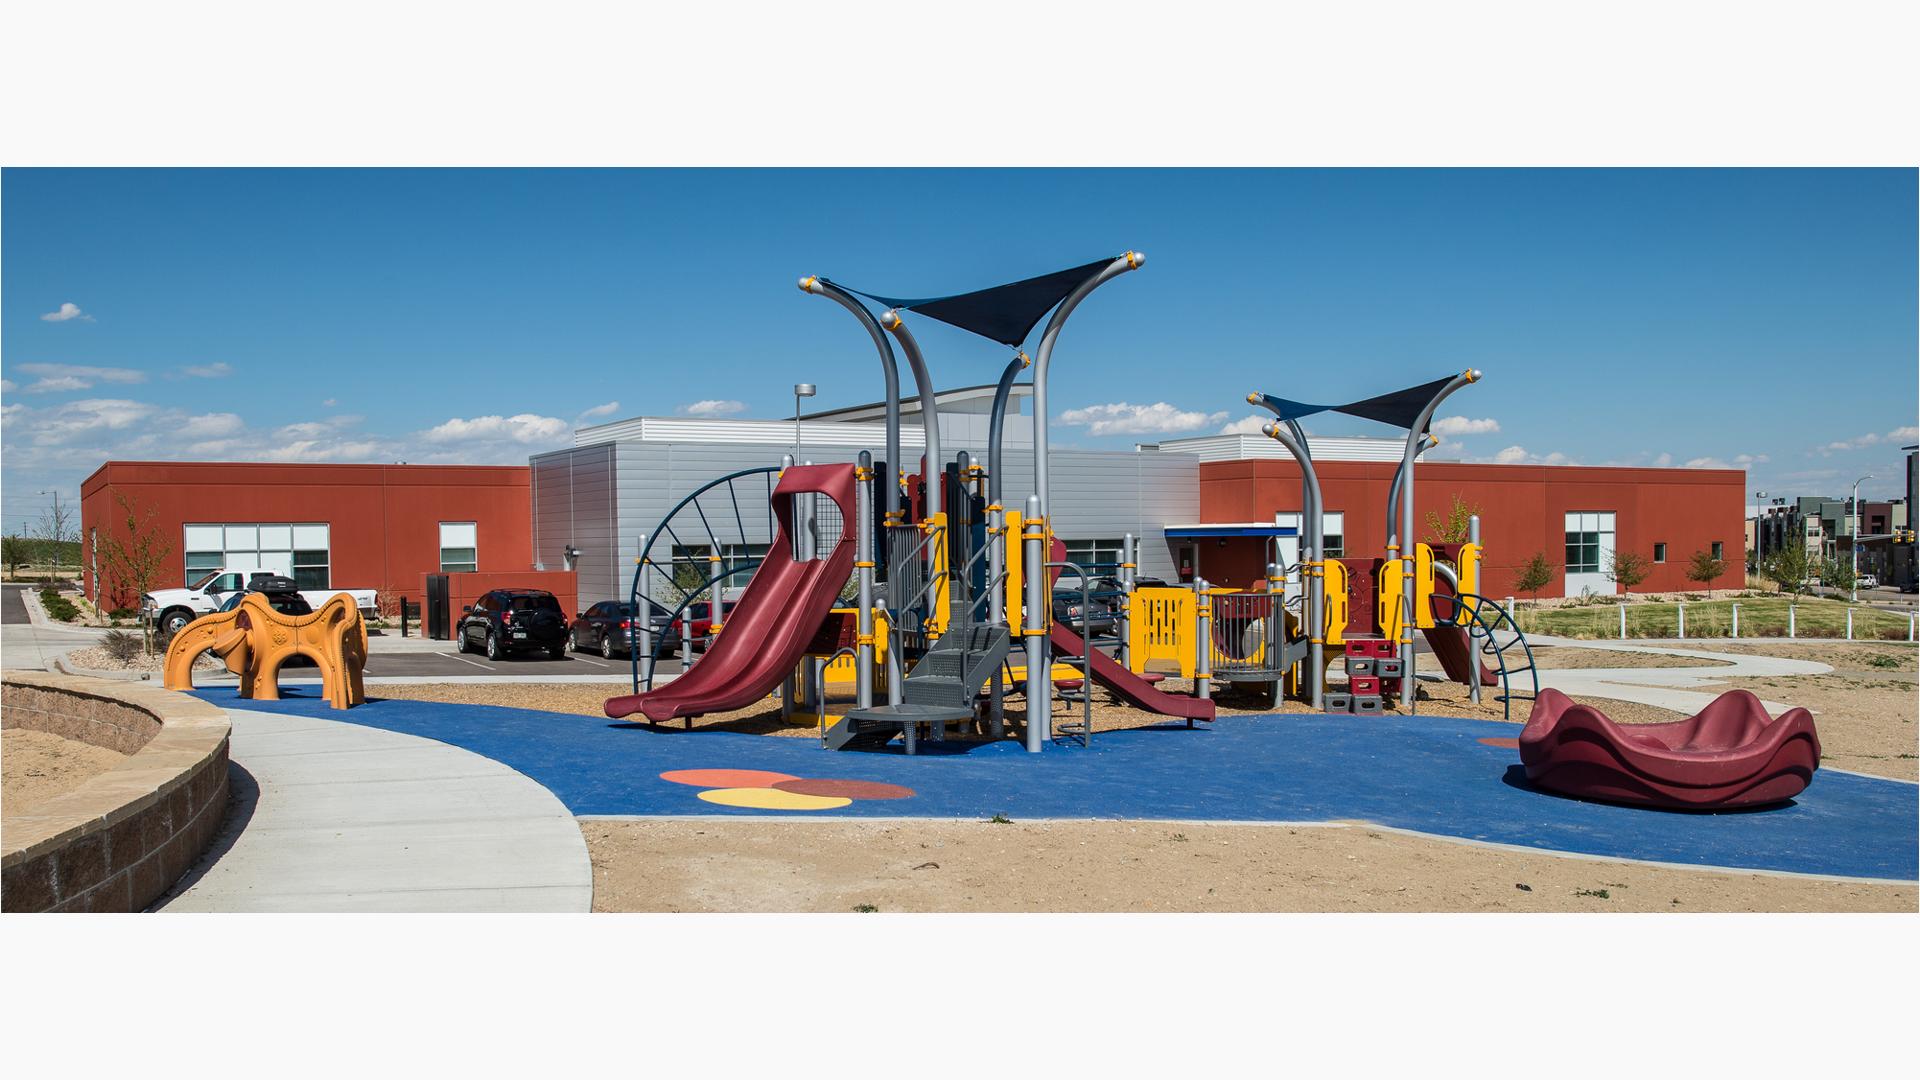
x: 1101, y: 604
x: 175, y: 608
x: 701, y: 612
x: 1867, y: 581
x: 282, y: 594
x: 608, y: 627
x: 514, y: 620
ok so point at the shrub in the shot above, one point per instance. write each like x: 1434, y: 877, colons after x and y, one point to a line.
x: 59, y: 608
x: 121, y: 645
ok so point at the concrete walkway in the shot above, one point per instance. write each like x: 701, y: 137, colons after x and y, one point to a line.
x: 332, y: 816
x: 1668, y: 687
x: 30, y: 641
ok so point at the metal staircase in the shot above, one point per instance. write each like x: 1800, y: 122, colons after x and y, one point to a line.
x: 939, y: 690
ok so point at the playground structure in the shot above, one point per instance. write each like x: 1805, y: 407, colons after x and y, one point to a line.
x: 1731, y: 754
x: 255, y: 641
x: 952, y: 590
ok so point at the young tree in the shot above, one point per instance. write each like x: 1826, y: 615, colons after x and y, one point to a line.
x: 1629, y: 569
x: 1836, y: 574
x: 1788, y: 568
x: 1455, y: 527
x: 1537, y: 574
x: 132, y: 562
x: 1706, y: 569
x: 13, y: 551
x: 58, y: 528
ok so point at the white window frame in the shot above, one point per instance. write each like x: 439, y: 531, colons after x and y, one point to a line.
x: 460, y: 566
x: 197, y: 543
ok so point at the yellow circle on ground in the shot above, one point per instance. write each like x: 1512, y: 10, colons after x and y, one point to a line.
x: 755, y: 798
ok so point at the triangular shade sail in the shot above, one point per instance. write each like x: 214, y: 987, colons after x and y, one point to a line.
x: 1004, y: 313
x: 1400, y: 408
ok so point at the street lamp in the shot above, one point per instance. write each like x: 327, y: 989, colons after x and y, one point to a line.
x: 1759, y: 516
x: 800, y: 390
x: 1854, y: 536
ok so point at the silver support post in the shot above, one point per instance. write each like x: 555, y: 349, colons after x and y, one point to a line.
x: 645, y: 615
x: 1275, y: 628
x: 1623, y: 622
x: 1414, y: 436
x: 1473, y: 684
x: 1680, y: 612
x: 1790, y: 627
x: 997, y: 524
x: 1039, y: 614
x: 1125, y: 624
x: 1313, y: 539
x: 790, y: 688
x: 890, y: 491
x: 1203, y: 641
x: 863, y: 562
x: 929, y: 414
x: 1849, y: 624
x: 1043, y: 356
x: 1736, y: 620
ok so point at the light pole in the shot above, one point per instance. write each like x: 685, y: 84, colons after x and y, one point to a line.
x: 1759, y: 520
x: 800, y: 390
x: 1853, y: 537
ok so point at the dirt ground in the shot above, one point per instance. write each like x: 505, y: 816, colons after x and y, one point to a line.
x: 1843, y: 655
x: 36, y: 765
x: 1865, y: 725
x: 787, y: 865
x: 1567, y: 657
x: 95, y: 658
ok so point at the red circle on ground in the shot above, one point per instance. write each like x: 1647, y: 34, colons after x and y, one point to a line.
x: 845, y: 789
x: 725, y: 778
x: 1509, y: 744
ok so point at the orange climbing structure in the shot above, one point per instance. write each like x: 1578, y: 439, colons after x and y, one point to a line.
x: 254, y: 641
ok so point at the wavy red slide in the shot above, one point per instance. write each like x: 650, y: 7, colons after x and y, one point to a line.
x: 1136, y: 691
x: 777, y: 614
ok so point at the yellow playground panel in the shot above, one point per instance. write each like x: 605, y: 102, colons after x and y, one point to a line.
x: 1160, y: 626
x: 254, y: 641
x: 1334, y: 589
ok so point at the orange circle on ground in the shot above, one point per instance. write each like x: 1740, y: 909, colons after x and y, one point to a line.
x: 1509, y: 744
x: 726, y: 778
x: 846, y: 789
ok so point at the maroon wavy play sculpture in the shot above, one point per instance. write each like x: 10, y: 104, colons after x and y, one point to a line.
x: 1731, y: 754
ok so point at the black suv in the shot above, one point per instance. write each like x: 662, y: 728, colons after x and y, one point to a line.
x: 514, y: 620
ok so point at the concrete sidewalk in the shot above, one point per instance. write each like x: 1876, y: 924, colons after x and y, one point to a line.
x: 332, y: 816
x: 1667, y: 688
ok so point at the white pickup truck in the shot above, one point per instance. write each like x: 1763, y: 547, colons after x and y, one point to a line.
x: 175, y: 608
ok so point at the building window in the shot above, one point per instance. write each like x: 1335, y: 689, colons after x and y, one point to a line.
x: 311, y: 571
x: 279, y: 548
x: 459, y: 547
x: 1333, y: 529
x: 1659, y: 553
x: 1101, y: 558
x: 1719, y: 550
x: 1589, y: 542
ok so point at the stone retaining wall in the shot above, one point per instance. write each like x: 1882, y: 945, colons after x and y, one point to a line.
x: 120, y: 840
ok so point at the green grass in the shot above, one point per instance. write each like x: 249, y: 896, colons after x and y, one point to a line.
x: 1759, y: 617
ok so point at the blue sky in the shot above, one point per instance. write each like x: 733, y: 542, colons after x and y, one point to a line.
x: 1757, y: 318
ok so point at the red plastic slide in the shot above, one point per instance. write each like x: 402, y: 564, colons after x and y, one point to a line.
x: 783, y: 604
x: 1455, y: 650
x: 1132, y: 688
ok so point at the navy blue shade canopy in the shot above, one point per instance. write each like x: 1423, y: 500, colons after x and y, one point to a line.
x: 1004, y: 313
x: 1399, y: 408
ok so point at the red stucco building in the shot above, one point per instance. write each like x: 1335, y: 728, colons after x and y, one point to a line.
x: 327, y: 526
x: 1577, y: 516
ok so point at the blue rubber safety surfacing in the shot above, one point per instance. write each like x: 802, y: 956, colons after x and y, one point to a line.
x: 1424, y: 773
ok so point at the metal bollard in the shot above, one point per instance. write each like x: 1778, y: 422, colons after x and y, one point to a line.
x: 1790, y: 626
x: 1680, y: 610
x: 1849, y: 624
x: 1736, y: 621
x: 1912, y: 620
x: 1623, y: 622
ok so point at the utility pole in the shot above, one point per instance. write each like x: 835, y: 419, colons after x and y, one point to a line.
x: 1853, y: 540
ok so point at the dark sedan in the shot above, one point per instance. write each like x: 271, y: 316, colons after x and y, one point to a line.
x: 608, y: 627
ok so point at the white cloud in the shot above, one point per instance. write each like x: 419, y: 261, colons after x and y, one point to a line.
x: 1460, y: 425
x: 1122, y: 418
x: 1665, y: 460
x: 1246, y: 425
x: 1898, y: 436
x: 65, y: 378
x: 331, y: 402
x: 603, y: 409
x: 1518, y: 455
x: 60, y: 424
x: 6, y: 386
x: 711, y: 407
x: 218, y: 370
x: 65, y: 312
x: 524, y: 428
x: 210, y: 425
x: 1740, y: 461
